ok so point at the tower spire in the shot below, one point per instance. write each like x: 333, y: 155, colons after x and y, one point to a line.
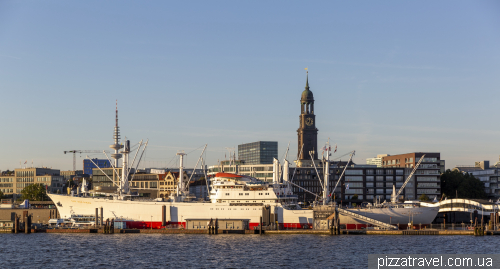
x: 307, y: 78
x: 116, y: 137
x: 116, y: 125
x: 307, y: 81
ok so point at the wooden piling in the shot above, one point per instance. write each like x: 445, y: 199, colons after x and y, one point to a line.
x: 102, y: 216
x: 163, y: 215
x: 216, y: 227
x: 260, y: 226
x: 210, y: 225
x: 16, y: 224
x: 96, y: 222
x: 28, y: 222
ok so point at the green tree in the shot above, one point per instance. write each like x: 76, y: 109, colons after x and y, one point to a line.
x: 34, y: 192
x: 354, y: 197
x: 455, y: 183
x: 424, y: 197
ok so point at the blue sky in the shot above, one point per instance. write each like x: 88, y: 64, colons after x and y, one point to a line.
x: 387, y: 76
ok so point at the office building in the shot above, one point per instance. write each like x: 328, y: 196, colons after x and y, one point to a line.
x: 261, y: 152
x: 14, y: 183
x: 486, y: 173
x: 376, y: 161
x: 427, y: 178
x: 88, y: 165
x: 71, y: 174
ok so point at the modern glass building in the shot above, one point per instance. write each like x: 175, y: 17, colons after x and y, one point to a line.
x: 261, y: 152
x: 88, y: 165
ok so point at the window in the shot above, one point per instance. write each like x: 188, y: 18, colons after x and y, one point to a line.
x: 353, y: 172
x: 247, y: 193
x: 354, y: 178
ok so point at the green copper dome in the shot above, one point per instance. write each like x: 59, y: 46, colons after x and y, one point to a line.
x: 307, y: 95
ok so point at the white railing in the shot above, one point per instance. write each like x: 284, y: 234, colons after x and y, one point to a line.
x: 367, y: 219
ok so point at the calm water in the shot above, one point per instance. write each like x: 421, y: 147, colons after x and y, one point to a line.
x: 222, y: 251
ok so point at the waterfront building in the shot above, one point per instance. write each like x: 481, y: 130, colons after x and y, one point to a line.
x: 102, y: 178
x: 71, y: 174
x: 376, y: 161
x: 14, y: 183
x: 145, y: 184
x: 168, y: 183
x: 199, y: 189
x: 88, y: 166
x: 361, y: 183
x: 260, y: 152
x: 427, y: 178
x: 262, y: 172
x: 487, y: 174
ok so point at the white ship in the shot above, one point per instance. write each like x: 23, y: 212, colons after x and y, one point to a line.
x: 399, y: 214
x: 232, y: 197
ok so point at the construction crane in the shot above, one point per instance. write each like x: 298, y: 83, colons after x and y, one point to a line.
x: 82, y: 151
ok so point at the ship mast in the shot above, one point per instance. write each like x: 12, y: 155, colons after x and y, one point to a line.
x: 326, y: 173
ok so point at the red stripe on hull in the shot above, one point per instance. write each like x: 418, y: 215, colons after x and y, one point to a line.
x: 157, y: 225
x: 255, y: 225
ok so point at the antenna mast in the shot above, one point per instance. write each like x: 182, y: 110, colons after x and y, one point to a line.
x: 116, y: 136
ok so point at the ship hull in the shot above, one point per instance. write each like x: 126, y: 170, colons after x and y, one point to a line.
x: 419, y: 216
x: 148, y: 215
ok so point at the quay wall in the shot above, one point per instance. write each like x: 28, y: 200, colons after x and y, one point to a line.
x: 40, y: 215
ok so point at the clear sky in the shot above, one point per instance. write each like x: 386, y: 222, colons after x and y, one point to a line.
x: 387, y: 76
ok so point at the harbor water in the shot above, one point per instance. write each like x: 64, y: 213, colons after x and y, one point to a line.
x: 224, y: 250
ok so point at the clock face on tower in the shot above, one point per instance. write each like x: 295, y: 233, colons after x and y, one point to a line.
x: 309, y: 121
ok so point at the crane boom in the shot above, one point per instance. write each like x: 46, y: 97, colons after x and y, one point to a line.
x: 352, y: 154
x: 80, y: 151
x: 394, y: 197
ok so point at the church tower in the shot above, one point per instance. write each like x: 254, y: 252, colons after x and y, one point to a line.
x: 307, y: 132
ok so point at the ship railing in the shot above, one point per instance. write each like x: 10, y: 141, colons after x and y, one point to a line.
x: 367, y: 219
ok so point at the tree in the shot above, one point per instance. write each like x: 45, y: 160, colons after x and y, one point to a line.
x: 1, y: 194
x: 455, y: 183
x: 354, y: 197
x: 424, y: 197
x: 34, y: 192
